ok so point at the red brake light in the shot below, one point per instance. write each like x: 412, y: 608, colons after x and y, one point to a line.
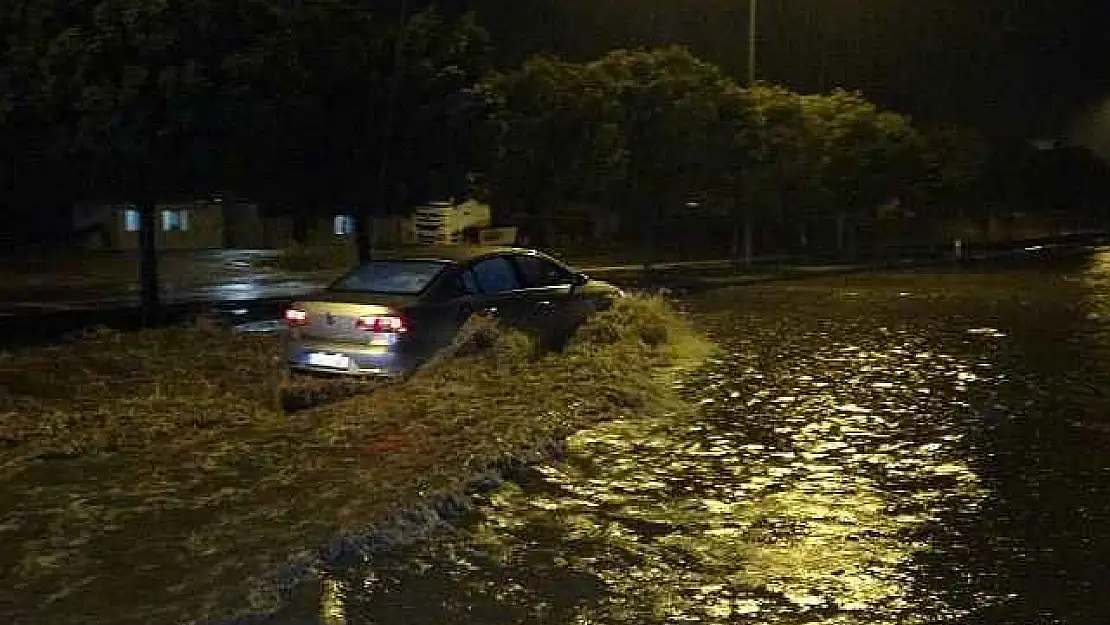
x: 295, y: 317
x: 382, y: 324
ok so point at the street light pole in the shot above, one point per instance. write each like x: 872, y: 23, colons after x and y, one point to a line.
x: 749, y: 210
x: 753, y: 14
x: 367, y: 254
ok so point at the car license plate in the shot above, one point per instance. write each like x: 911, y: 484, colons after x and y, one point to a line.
x: 330, y: 361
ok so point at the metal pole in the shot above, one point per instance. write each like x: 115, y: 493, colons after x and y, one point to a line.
x: 387, y: 128
x: 749, y: 216
x: 753, y: 14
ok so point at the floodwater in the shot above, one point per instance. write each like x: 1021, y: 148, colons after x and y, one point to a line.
x: 907, y: 448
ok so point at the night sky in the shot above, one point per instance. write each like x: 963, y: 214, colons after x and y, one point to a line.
x: 1030, y: 67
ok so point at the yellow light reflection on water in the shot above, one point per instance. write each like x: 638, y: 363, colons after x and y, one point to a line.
x: 795, y: 493
x: 1098, y: 269
x: 332, y: 603
x: 826, y: 541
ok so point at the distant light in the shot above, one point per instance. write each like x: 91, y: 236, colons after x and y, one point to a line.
x: 1046, y: 144
x: 131, y: 220
x: 343, y: 225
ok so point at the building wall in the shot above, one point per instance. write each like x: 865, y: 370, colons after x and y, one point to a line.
x: 322, y: 232
x: 96, y: 226
x: 194, y: 225
x: 204, y: 225
x: 277, y: 232
x: 242, y: 226
x: 201, y: 227
x: 339, y: 231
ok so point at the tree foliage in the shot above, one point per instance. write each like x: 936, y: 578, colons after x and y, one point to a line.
x: 334, y: 105
x: 554, y: 134
x: 333, y: 85
x: 670, y: 111
x: 152, y: 100
x: 954, y: 161
x: 863, y: 155
x: 655, y: 127
x: 121, y: 98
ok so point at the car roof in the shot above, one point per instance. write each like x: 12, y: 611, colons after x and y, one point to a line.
x: 450, y: 253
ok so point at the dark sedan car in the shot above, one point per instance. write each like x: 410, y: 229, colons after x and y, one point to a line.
x: 389, y: 315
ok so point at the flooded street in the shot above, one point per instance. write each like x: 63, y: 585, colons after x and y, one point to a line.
x: 925, y: 447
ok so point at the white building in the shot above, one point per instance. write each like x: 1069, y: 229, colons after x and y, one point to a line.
x: 446, y: 223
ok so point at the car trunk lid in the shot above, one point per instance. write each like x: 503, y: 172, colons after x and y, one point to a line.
x: 335, y: 317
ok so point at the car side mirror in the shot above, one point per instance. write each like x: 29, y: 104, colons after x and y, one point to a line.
x: 580, y: 280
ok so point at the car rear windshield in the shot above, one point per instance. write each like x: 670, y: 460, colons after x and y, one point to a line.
x: 401, y: 277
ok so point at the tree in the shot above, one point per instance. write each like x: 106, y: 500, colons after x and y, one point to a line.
x: 438, y: 111
x: 954, y: 161
x: 355, y: 105
x: 133, y: 101
x: 736, y: 151
x: 780, y: 172
x: 124, y: 104
x: 28, y: 180
x: 554, y: 136
x: 670, y: 119
x: 1069, y: 180
x: 862, y: 156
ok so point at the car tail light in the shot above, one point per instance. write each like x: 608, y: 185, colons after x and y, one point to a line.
x: 382, y: 324
x: 295, y: 317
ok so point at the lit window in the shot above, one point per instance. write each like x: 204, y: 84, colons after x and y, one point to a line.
x: 131, y: 220
x: 344, y: 224
x: 176, y: 220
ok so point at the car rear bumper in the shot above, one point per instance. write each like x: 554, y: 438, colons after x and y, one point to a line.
x: 360, y: 362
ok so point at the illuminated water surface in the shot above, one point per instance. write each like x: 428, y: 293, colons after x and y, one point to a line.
x: 914, y: 448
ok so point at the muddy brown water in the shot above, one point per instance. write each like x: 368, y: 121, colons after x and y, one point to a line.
x: 919, y: 447
x: 925, y: 447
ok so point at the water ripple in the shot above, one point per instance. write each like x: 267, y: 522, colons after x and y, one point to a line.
x: 858, y: 456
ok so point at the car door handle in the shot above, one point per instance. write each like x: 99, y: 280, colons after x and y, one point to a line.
x: 545, y: 306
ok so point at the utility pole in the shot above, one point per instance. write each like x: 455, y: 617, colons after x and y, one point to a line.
x: 387, y: 133
x: 816, y: 28
x: 753, y: 15
x: 749, y: 209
